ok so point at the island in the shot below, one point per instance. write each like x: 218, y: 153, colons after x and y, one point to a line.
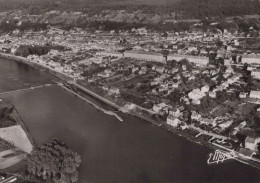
x: 23, y: 161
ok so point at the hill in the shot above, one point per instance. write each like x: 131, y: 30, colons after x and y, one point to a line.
x: 185, y: 8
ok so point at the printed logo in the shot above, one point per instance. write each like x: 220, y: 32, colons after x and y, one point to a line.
x: 219, y: 157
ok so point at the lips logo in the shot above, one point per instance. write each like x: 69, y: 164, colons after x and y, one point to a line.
x: 219, y: 157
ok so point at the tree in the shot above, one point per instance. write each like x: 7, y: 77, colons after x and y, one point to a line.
x: 52, y: 162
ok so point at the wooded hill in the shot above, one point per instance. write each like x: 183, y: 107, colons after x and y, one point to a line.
x: 187, y: 8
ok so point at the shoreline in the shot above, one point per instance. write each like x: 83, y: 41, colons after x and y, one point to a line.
x: 182, y: 133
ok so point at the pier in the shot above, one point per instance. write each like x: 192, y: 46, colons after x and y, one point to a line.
x: 26, y: 89
x: 95, y: 105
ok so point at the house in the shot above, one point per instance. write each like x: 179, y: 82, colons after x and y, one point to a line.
x: 171, y: 120
x: 195, y: 115
x: 225, y: 85
x: 255, y: 94
x: 159, y: 69
x: 141, y: 72
x: 206, y: 121
x: 192, y: 77
x: 205, y: 89
x: 251, y: 59
x: 245, y: 152
x: 175, y: 85
x: 174, y: 70
x: 251, y: 143
x: 250, y: 68
x: 114, y: 91
x: 229, y: 70
x: 203, y: 52
x: 154, y: 83
x: 142, y: 31
x: 130, y: 106
x: 184, y: 67
x: 213, y: 94
x: 176, y: 113
x: 105, y: 88
x: 104, y: 74
x: 196, y: 94
x: 240, y: 126
x: 242, y: 95
x: 135, y: 69
x: 158, y: 107
x: 256, y: 74
x: 196, y: 102
x: 226, y: 124
x: 236, y: 42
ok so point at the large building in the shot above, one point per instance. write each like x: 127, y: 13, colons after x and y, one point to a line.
x: 193, y: 59
x: 110, y: 54
x: 255, y: 94
x: 146, y: 56
x: 251, y: 143
x: 251, y: 59
x: 255, y: 73
x: 156, y: 57
x: 171, y: 120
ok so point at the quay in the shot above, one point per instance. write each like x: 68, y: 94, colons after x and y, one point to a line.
x: 26, y: 89
x: 93, y: 104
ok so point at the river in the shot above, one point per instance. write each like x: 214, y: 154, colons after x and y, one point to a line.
x: 132, y: 151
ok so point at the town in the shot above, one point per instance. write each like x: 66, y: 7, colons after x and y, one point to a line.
x: 205, y: 84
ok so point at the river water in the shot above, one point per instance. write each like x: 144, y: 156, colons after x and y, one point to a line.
x: 132, y: 151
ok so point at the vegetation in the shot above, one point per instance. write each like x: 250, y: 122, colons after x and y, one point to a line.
x: 5, y: 145
x: 53, y: 162
x: 7, y: 115
x: 26, y: 50
x: 183, y: 8
x: 11, y: 25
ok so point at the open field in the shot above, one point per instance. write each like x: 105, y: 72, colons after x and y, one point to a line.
x: 17, y: 136
x: 10, y: 157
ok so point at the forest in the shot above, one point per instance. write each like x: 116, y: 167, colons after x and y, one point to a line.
x: 53, y: 162
x: 187, y: 8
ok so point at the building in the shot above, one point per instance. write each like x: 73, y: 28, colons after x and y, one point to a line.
x: 196, y: 94
x: 255, y: 94
x: 177, y: 113
x: 242, y: 95
x: 171, y: 120
x: 162, y: 107
x: 255, y: 74
x: 195, y: 115
x: 207, y: 121
x: 192, y: 59
x: 213, y: 94
x: 251, y: 143
x: 226, y: 124
x: 110, y: 54
x: 158, y: 69
x: 114, y: 91
x: 146, y: 56
x: 245, y: 152
x: 251, y: 59
x: 205, y: 89
x: 105, y: 74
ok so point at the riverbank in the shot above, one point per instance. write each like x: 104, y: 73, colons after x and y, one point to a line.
x: 182, y: 133
x: 92, y: 103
